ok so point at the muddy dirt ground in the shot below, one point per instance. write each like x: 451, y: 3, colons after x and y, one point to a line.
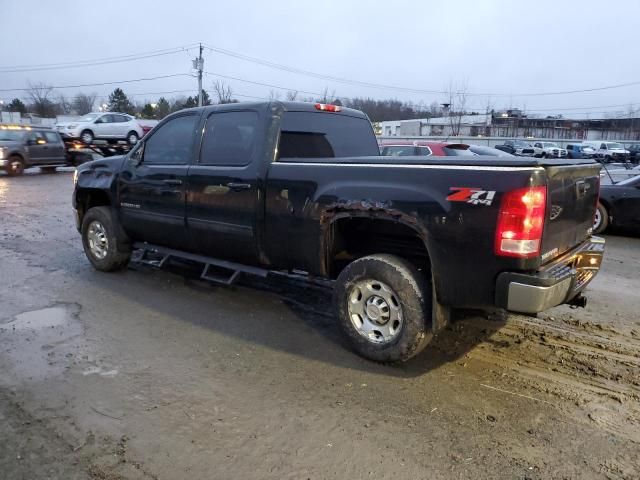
x: 146, y: 374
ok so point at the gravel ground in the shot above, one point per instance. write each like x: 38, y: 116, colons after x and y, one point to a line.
x: 146, y: 374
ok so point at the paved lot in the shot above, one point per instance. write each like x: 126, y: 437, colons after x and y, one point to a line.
x: 147, y: 375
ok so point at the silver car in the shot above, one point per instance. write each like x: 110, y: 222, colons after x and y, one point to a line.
x: 102, y: 126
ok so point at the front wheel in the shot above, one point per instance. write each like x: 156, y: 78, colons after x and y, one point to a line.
x: 384, y: 307
x: 100, y: 242
x: 15, y: 166
x: 601, y: 220
x: 87, y: 137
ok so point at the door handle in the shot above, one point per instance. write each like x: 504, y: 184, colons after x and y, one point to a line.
x: 173, y: 181
x: 238, y: 186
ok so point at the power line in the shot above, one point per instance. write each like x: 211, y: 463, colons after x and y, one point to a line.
x: 299, y: 71
x: 101, y: 83
x: 95, y: 62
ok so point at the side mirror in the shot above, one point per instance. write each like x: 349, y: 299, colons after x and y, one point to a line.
x: 137, y: 154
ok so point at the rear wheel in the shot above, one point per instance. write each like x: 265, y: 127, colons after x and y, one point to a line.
x: 384, y: 307
x: 601, y: 220
x: 15, y: 166
x: 132, y: 138
x: 100, y: 242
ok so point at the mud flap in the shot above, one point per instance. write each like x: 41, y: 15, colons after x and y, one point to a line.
x: 440, y: 314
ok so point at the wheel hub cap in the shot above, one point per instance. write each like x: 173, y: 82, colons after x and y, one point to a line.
x: 97, y: 239
x: 375, y: 311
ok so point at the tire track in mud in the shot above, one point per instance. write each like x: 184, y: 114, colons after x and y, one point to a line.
x: 596, y: 368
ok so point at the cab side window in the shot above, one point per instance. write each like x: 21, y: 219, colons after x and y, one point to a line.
x: 229, y: 138
x: 35, y: 138
x: 172, y: 142
x: 52, y: 137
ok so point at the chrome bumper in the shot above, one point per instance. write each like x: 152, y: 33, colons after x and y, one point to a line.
x: 554, y: 284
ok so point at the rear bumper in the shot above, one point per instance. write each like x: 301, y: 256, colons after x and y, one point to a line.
x: 554, y: 284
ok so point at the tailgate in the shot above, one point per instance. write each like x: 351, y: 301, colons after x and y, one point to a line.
x: 572, y: 192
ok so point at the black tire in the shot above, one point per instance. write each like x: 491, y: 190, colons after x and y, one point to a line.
x: 15, y: 166
x: 412, y: 291
x: 132, y: 137
x: 601, y: 221
x: 543, y: 155
x: 115, y: 258
x: 87, y: 137
x: 48, y: 169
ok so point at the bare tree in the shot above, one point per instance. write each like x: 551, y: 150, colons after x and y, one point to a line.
x: 274, y: 95
x: 64, y: 105
x: 326, y: 96
x: 291, y: 95
x: 223, y: 92
x: 83, y: 103
x: 41, y: 103
x: 457, y: 100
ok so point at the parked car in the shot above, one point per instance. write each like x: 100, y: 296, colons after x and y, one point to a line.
x: 619, y: 206
x: 102, y: 126
x: 290, y: 186
x: 609, y: 151
x: 424, y: 148
x: 634, y: 153
x: 548, y: 150
x: 488, y: 151
x: 519, y: 148
x: 578, y: 150
x: 24, y: 147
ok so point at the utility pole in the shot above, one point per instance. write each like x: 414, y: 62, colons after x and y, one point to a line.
x: 198, y: 64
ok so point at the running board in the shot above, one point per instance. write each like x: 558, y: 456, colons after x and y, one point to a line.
x: 230, y: 270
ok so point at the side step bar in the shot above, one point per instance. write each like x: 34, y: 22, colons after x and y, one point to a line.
x: 232, y: 269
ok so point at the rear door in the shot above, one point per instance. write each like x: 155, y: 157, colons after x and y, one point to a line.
x: 223, y: 187
x: 56, y: 152
x: 120, y: 126
x: 152, y: 185
x: 572, y: 194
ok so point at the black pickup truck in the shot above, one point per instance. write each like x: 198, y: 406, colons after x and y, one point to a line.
x: 298, y: 187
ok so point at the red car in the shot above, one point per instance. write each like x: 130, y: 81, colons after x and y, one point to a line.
x: 406, y: 148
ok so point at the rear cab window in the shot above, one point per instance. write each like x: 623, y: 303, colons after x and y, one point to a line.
x: 325, y: 135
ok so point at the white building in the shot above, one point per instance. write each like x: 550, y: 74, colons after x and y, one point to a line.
x: 465, y: 125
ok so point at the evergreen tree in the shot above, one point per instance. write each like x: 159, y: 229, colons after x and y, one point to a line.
x: 119, y: 102
x: 17, y: 105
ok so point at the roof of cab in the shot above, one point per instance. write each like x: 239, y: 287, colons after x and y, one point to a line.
x: 284, y: 105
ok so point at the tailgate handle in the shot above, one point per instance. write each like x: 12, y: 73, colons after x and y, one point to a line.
x: 581, y: 188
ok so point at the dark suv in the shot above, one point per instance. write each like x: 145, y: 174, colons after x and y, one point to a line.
x: 24, y: 147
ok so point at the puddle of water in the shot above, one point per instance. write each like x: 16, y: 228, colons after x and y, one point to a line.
x: 40, y: 319
x: 38, y: 343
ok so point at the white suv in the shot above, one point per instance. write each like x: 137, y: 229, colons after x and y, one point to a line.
x: 103, y: 126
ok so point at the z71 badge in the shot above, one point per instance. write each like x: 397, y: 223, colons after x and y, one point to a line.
x: 475, y: 196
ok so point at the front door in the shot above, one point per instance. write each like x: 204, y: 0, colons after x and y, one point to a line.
x: 37, y: 147
x: 223, y: 194
x: 152, y: 186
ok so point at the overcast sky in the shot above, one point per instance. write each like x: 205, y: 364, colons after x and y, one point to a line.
x: 505, y: 48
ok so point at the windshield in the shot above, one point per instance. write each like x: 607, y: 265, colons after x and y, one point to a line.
x: 587, y: 148
x: 629, y: 181
x: 11, y: 135
x: 520, y: 143
x: 90, y: 117
x: 611, y: 146
x: 549, y: 144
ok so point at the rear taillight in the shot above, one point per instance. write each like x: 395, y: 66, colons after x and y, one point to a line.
x: 521, y: 222
x: 325, y: 107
